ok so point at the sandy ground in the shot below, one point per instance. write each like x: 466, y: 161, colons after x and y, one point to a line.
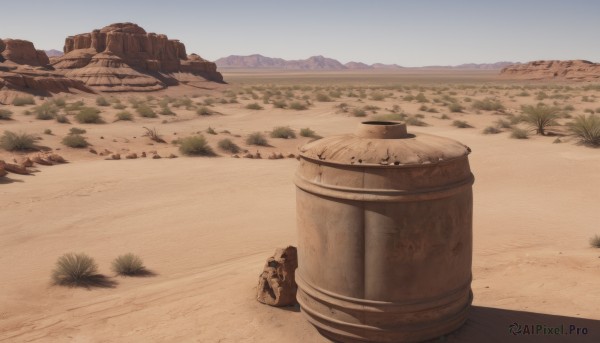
x: 206, y: 225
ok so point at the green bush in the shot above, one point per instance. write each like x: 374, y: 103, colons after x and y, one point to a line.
x: 74, y: 270
x: 124, y: 115
x: 254, y: 106
x: 307, y: 132
x: 519, y: 133
x: 23, y: 100
x: 89, y: 115
x: 5, y: 114
x: 75, y: 141
x: 17, y: 141
x: 195, y: 146
x: 257, y: 138
x: 228, y: 145
x: 461, y: 124
x: 129, y: 265
x: 298, y: 106
x: 145, y: 111
x: 45, y: 111
x: 283, y: 132
x: 586, y: 129
x: 101, y: 101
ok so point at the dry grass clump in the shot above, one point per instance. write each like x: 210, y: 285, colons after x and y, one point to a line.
x: 307, y: 132
x: 17, y: 141
x: 298, y: 106
x: 45, y: 111
x: 23, y: 100
x: 123, y: 115
x: 491, y: 130
x: 204, y: 111
x: 154, y: 135
x: 540, y: 116
x: 519, y: 133
x: 415, y: 121
x: 228, y: 145
x: 89, y: 115
x: 461, y: 124
x: 595, y: 241
x: 254, y: 106
x: 145, y: 111
x: 101, y: 101
x: 284, y: 132
x: 455, y: 107
x: 195, y: 146
x: 359, y: 112
x: 488, y: 104
x: 63, y: 119
x: 5, y: 114
x: 75, y: 141
x: 75, y: 270
x: 129, y: 265
x: 587, y: 129
x: 257, y: 138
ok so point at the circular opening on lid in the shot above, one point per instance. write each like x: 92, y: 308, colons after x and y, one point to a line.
x: 382, y: 130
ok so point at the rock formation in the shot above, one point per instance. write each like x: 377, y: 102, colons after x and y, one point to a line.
x: 123, y: 57
x: 574, y: 70
x: 23, y: 69
x: 277, y: 283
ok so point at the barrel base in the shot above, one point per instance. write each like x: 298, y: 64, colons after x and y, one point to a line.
x: 351, y: 321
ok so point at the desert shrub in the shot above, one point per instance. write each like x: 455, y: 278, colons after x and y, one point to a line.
x: 371, y: 108
x: 166, y: 111
x: 5, y: 114
x: 445, y: 117
x: 17, y: 141
x: 101, y: 101
x: 23, y: 100
x: 145, y: 111
x: 228, y: 145
x: 321, y: 97
x: 307, y: 132
x: 47, y: 132
x: 283, y: 132
x: 61, y: 118
x: 556, y: 141
x: 211, y: 131
x: 128, y: 265
x: 119, y: 106
x: 461, y: 124
x: 540, y: 116
x: 195, y: 146
x: 257, y: 138
x: 75, y: 106
x: 208, y: 101
x: 423, y: 108
x: 523, y: 94
x: 45, y: 111
x: 490, y: 130
x: 123, y: 115
x: 89, y: 115
x: 76, y: 131
x: 414, y: 121
x: 298, y: 106
x: 74, y: 270
x: 377, y: 96
x: 408, y: 97
x: 185, y: 102
x: 586, y: 129
x: 455, y: 107
x: 279, y: 104
x: 204, y: 111
x: 421, y: 98
x: 359, y: 112
x: 588, y: 110
x: 519, y: 133
x: 254, y: 106
x: 59, y: 102
x: 75, y: 141
x: 488, y: 104
x: 503, y: 124
x: 595, y: 241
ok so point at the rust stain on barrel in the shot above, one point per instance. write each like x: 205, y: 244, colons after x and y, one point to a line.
x: 385, y: 234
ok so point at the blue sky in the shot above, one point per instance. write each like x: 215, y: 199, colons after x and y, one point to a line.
x: 408, y: 33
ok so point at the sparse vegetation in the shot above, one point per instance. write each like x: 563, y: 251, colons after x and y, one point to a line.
x: 540, y: 116
x: 298, y: 106
x: 101, y: 101
x: 461, y: 124
x: 595, y: 241
x: 195, y: 146
x: 75, y: 141
x: 254, y: 106
x: 586, y: 129
x: 5, y: 114
x: 359, y: 112
x: 455, y: 107
x: 23, y: 100
x: 63, y: 119
x: 307, y: 132
x: 45, y: 111
x: 145, y: 111
x: 47, y: 132
x: 228, y: 145
x: 519, y: 133
x: 17, y: 141
x: 123, y: 115
x: 74, y: 270
x: 76, y: 131
x: 129, y: 265
x: 283, y: 132
x: 154, y: 135
x: 204, y: 111
x: 257, y: 138
x: 89, y: 115
x: 490, y: 130
x: 211, y: 131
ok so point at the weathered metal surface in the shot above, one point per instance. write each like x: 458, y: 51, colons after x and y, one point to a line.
x: 384, y: 243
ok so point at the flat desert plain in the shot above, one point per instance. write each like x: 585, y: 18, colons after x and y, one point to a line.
x: 205, y: 225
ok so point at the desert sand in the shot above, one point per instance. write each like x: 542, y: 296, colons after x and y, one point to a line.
x: 205, y: 226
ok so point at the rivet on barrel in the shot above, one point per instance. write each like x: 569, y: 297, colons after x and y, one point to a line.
x: 384, y: 243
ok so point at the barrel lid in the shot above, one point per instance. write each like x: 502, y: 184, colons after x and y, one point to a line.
x: 384, y: 143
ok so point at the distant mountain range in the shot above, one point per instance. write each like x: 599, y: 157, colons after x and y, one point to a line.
x: 54, y: 53
x: 257, y: 61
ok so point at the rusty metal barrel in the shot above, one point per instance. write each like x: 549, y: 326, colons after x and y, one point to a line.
x: 384, y: 221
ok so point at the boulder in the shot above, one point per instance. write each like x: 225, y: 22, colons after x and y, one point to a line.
x: 277, y: 283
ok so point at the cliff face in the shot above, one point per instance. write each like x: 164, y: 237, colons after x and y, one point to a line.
x: 124, y: 57
x: 573, y: 70
x: 23, y: 69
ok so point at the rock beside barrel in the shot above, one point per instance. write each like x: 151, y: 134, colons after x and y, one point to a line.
x: 277, y: 283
